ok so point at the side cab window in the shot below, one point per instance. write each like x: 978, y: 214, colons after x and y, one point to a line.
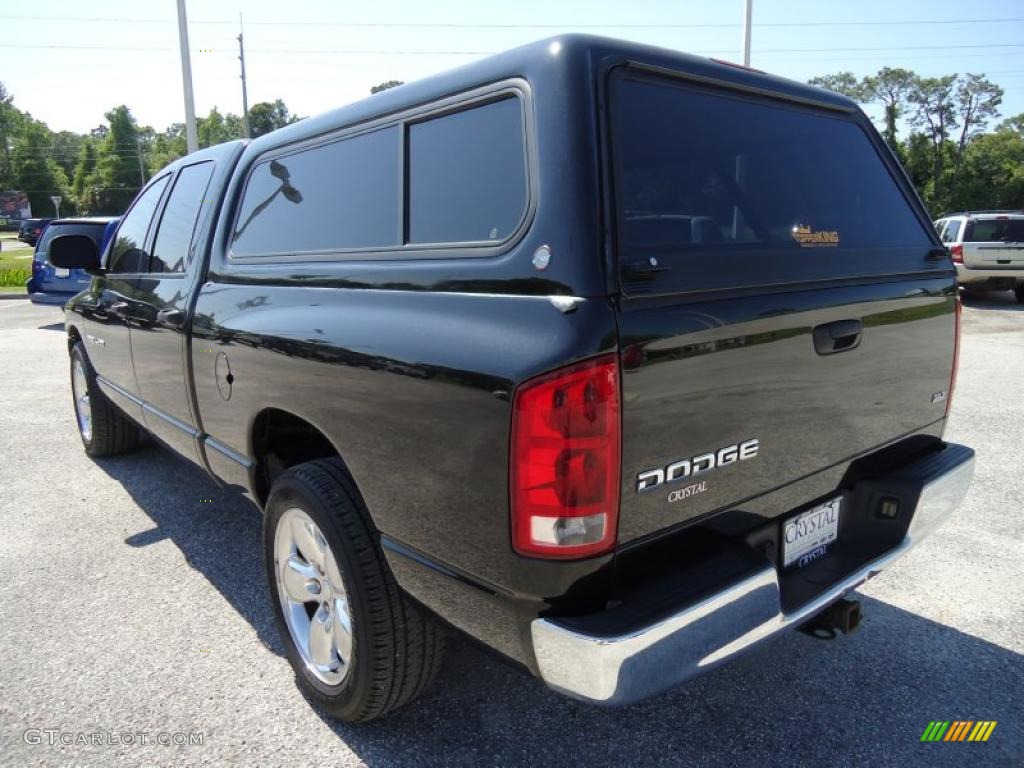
x: 128, y: 251
x: 175, y: 232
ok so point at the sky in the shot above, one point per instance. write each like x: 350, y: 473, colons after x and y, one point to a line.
x: 69, y: 64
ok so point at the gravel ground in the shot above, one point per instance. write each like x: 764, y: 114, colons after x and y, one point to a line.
x: 133, y: 602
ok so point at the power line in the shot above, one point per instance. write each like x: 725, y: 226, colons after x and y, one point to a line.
x: 467, y: 25
x: 88, y: 186
x: 414, y: 52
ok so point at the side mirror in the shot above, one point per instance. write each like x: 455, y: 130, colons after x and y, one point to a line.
x: 74, y: 252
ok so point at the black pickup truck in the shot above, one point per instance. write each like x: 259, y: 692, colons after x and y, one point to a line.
x: 615, y: 359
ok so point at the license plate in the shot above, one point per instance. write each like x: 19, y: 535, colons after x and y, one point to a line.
x: 58, y: 272
x: 805, y: 537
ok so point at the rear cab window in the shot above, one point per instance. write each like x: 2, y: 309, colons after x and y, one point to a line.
x: 715, y: 188
x: 995, y: 230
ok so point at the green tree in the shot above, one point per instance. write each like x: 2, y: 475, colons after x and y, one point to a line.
x: 385, y: 85
x: 66, y: 147
x: 992, y: 175
x: 214, y: 129
x: 845, y: 83
x: 11, y: 123
x: 890, y: 87
x: 85, y: 168
x: 976, y: 101
x: 1015, y: 123
x: 166, y: 147
x: 115, y: 181
x: 267, y: 116
x: 34, y: 170
x: 934, y: 112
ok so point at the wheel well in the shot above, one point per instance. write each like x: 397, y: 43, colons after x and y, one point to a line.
x: 73, y: 338
x: 281, y: 440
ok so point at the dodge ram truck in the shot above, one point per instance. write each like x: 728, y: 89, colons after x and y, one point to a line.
x: 615, y: 359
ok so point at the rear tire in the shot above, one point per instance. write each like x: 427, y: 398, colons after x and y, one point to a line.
x: 103, y: 427
x: 1018, y: 291
x: 359, y: 648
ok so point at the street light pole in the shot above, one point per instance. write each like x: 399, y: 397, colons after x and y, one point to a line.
x: 741, y: 160
x: 747, y: 15
x: 191, y: 136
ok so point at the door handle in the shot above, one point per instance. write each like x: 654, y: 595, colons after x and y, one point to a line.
x: 642, y: 270
x: 839, y: 336
x: 170, y: 317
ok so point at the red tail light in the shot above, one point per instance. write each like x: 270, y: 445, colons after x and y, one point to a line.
x: 958, y: 253
x: 564, y: 463
x: 956, y: 356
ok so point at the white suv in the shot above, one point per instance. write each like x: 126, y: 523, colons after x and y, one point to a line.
x: 987, y: 248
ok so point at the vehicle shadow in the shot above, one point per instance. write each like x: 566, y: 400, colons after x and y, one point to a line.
x: 1002, y: 300
x: 217, y: 529
x: 859, y: 700
x: 52, y: 327
x: 864, y: 699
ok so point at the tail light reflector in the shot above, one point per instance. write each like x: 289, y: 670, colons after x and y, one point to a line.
x: 956, y: 356
x: 958, y: 253
x: 564, y: 463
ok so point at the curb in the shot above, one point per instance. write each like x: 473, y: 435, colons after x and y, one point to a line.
x: 12, y: 295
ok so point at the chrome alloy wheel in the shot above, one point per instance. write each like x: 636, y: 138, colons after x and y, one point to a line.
x: 313, y: 597
x: 80, y: 391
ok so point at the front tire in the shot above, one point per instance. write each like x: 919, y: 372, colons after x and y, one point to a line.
x: 104, y: 429
x: 359, y: 648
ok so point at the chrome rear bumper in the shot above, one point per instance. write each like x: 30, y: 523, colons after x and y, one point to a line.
x: 627, y: 668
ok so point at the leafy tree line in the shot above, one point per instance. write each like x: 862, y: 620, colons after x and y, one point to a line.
x: 939, y: 127
x: 946, y: 145
x: 101, y: 172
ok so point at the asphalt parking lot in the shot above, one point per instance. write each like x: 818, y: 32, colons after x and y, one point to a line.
x: 133, y: 602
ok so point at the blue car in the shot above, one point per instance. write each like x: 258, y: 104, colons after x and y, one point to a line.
x: 49, y: 285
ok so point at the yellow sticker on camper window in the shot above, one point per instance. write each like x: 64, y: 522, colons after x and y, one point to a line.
x: 808, y: 237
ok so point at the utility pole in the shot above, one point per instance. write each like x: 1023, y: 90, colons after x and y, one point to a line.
x: 741, y: 160
x: 191, y: 136
x: 142, y: 169
x: 747, y: 16
x: 245, y: 95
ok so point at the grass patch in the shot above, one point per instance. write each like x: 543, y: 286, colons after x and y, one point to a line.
x: 15, y: 267
x: 13, y: 289
x: 14, y: 277
x: 21, y: 258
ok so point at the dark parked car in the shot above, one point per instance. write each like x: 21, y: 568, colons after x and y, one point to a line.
x: 615, y: 359
x: 30, y: 230
x: 55, y: 285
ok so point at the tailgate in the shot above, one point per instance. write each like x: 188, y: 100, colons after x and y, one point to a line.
x: 994, y: 243
x: 994, y: 255
x: 715, y: 375
x: 783, y: 308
